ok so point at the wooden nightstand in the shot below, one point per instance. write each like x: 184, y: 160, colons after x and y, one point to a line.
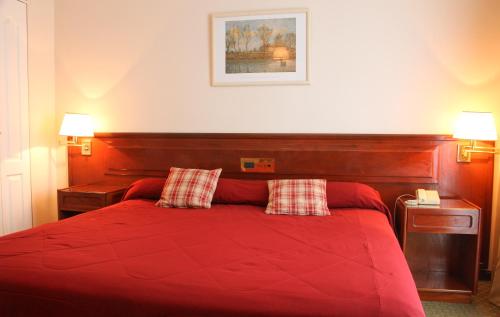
x: 82, y: 198
x: 441, y: 245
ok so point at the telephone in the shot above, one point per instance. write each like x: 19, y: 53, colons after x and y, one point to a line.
x: 427, y: 197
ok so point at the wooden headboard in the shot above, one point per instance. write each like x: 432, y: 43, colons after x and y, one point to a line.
x: 393, y: 164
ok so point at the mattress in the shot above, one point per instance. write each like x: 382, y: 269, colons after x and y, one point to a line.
x: 135, y: 259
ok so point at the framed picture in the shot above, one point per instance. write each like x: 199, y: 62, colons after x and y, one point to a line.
x: 260, y: 48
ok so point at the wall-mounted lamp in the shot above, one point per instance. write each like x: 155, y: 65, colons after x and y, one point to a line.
x: 76, y: 125
x: 475, y: 126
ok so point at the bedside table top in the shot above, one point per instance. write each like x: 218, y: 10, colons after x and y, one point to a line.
x: 95, y: 188
x: 447, y: 203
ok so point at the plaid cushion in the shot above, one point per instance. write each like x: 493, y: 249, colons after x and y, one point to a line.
x: 297, y: 197
x: 189, y: 188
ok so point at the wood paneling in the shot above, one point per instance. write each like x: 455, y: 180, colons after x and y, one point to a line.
x: 393, y: 164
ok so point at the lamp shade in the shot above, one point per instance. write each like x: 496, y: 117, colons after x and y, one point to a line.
x: 76, y: 124
x: 475, y: 126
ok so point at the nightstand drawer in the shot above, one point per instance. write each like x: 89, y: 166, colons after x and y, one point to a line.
x: 443, y: 221
x: 81, y: 202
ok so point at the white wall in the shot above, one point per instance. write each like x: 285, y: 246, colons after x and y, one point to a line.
x: 41, y: 69
x: 379, y: 66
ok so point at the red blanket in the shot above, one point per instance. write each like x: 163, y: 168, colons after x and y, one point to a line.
x: 134, y: 259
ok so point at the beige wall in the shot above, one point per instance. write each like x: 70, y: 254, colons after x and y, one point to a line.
x: 381, y: 66
x: 42, y: 109
x: 384, y: 66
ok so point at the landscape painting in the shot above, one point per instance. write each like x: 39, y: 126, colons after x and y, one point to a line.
x: 260, y: 48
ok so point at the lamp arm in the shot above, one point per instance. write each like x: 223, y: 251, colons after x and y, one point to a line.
x: 484, y: 150
x: 72, y: 141
x: 473, y: 148
x: 464, y: 151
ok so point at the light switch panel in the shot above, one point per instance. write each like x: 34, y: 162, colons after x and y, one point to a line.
x: 257, y: 165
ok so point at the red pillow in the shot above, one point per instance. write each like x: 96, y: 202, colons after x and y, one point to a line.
x: 255, y: 192
x: 239, y: 191
x: 146, y: 188
x: 353, y: 195
x: 299, y: 197
x: 229, y: 191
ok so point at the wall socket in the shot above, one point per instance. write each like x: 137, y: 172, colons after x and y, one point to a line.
x: 86, y: 148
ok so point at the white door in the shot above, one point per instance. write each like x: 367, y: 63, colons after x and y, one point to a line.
x: 15, y: 184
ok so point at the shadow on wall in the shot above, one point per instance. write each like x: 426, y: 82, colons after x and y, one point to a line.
x: 465, y: 39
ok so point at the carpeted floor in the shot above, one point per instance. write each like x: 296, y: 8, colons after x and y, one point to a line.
x: 480, y: 306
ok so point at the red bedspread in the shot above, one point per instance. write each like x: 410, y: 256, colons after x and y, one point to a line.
x: 134, y: 259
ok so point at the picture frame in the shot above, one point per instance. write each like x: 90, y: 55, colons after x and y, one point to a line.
x: 260, y: 48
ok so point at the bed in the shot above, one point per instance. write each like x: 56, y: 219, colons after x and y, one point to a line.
x: 135, y: 259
